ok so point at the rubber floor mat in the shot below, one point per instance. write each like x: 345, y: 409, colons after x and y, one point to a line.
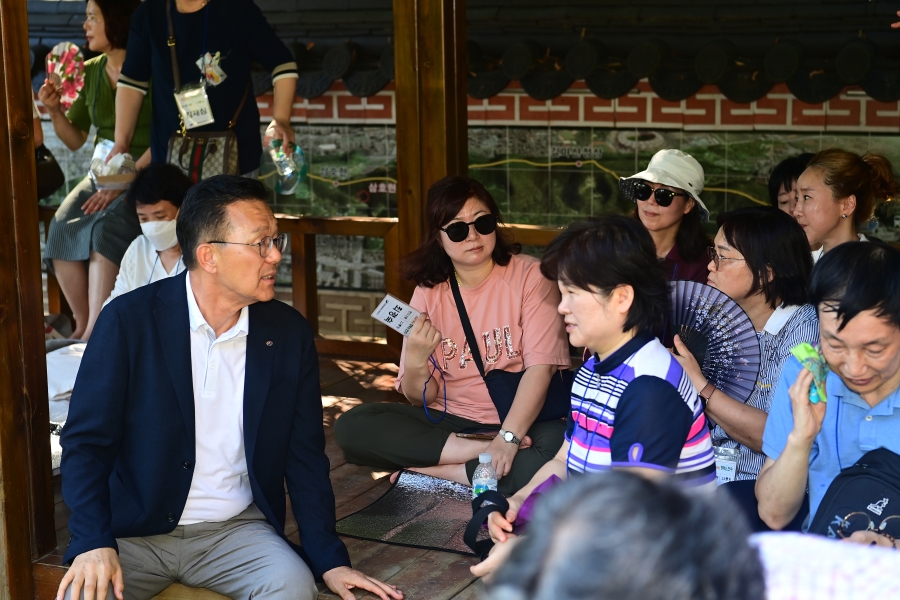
x: 418, y: 511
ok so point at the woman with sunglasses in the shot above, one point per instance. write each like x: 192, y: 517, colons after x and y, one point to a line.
x: 761, y: 260
x: 512, y: 308
x: 667, y: 194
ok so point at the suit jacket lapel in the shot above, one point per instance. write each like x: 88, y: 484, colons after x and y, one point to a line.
x: 173, y: 326
x: 261, y: 348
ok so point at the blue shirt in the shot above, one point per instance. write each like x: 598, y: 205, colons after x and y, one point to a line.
x: 850, y: 429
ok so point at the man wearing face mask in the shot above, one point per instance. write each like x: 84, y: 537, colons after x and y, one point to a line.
x: 156, y: 195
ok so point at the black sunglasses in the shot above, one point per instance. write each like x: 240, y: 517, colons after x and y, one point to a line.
x: 636, y: 189
x: 459, y: 231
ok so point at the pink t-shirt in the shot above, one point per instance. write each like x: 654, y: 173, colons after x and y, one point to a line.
x: 513, y: 314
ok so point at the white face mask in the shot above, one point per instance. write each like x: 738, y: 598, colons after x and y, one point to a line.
x: 161, y: 234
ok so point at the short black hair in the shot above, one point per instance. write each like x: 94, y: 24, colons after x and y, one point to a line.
x: 786, y: 173
x: 770, y: 239
x: 858, y: 276
x: 619, y: 535
x: 204, y: 214
x: 117, y: 20
x: 608, y: 251
x: 158, y: 182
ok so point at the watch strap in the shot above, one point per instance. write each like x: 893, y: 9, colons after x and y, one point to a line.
x: 514, y: 439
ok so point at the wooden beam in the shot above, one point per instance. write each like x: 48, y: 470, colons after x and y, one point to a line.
x: 26, y: 497
x: 303, y: 278
x: 430, y: 82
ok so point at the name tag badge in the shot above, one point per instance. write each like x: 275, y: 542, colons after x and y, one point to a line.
x: 726, y: 464
x: 193, y: 104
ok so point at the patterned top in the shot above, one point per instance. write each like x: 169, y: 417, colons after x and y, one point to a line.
x: 787, y: 327
x: 638, y: 408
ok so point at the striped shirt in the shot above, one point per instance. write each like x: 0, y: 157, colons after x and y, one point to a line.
x: 787, y: 327
x: 638, y: 408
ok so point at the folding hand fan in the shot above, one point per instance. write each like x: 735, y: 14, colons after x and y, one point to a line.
x: 65, y: 70
x: 720, y: 336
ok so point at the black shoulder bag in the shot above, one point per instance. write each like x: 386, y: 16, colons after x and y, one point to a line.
x: 502, y: 385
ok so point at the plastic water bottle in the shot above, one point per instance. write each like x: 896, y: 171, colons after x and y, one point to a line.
x: 290, y: 170
x: 484, y: 478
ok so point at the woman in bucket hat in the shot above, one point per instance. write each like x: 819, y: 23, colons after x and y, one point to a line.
x: 667, y: 195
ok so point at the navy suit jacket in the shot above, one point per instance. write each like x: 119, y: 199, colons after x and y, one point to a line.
x: 128, y: 444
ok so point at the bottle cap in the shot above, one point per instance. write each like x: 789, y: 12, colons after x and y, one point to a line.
x: 484, y: 457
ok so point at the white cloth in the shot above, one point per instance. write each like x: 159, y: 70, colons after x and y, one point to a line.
x: 140, y: 266
x: 817, y: 254
x: 809, y: 567
x: 62, y: 368
x: 220, y: 487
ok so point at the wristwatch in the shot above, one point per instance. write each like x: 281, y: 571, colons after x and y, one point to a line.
x: 510, y: 437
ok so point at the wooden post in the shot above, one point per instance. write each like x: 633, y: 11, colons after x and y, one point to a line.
x: 303, y: 274
x: 430, y: 79
x: 26, y: 497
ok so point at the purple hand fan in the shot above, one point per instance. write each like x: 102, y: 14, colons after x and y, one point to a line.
x: 719, y: 334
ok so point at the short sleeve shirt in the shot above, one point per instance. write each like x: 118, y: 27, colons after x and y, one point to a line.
x: 513, y: 314
x: 850, y: 429
x: 238, y: 33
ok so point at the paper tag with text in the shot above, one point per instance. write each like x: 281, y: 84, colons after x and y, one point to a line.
x: 396, y: 314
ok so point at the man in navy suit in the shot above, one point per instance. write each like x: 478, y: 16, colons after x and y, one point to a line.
x: 197, y: 401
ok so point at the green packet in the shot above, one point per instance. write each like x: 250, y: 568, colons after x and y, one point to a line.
x: 811, y: 359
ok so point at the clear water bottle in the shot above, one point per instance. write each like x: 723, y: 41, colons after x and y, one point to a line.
x: 484, y: 478
x: 289, y: 170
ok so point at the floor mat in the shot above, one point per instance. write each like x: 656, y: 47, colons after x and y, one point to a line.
x: 419, y: 511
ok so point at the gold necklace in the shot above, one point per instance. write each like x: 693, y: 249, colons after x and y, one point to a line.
x: 455, y: 274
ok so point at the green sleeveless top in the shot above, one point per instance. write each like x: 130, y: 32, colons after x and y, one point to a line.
x: 96, y: 104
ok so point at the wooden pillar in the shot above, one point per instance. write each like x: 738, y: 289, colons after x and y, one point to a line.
x: 430, y: 79
x: 26, y: 497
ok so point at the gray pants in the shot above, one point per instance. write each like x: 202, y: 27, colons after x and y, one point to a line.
x: 239, y: 558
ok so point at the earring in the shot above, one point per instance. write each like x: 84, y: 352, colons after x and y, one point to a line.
x: 843, y: 216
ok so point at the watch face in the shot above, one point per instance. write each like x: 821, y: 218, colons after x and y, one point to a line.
x: 508, y: 436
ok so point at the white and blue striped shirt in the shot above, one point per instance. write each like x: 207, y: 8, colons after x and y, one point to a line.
x: 786, y: 328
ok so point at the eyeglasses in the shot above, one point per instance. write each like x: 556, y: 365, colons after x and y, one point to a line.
x: 636, y: 189
x: 459, y: 231
x: 91, y: 18
x: 860, y: 521
x: 265, y: 245
x: 716, y: 257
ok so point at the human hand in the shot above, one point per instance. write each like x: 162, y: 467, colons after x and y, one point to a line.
x: 100, y: 200
x: 808, y: 417
x: 422, y: 341
x: 871, y: 538
x: 496, y: 557
x: 500, y: 526
x: 897, y: 24
x: 502, y: 455
x: 118, y: 148
x: 92, y: 571
x: 689, y: 364
x: 282, y: 130
x: 341, y: 580
x: 50, y: 96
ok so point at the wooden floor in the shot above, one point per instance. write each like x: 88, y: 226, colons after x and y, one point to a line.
x: 421, y: 574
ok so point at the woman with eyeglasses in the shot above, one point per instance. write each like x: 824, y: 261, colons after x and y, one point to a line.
x: 761, y: 260
x: 512, y: 309
x: 667, y: 194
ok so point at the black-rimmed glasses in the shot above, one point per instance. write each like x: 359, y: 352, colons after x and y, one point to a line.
x: 265, y: 245
x: 459, y: 231
x: 637, y: 189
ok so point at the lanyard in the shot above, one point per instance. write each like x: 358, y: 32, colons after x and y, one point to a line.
x: 156, y: 262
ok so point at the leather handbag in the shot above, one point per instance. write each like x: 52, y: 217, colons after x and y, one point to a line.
x: 202, y: 155
x: 49, y: 175
x: 502, y: 385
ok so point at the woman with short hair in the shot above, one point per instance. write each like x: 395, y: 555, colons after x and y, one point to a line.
x: 512, y: 308
x: 838, y: 194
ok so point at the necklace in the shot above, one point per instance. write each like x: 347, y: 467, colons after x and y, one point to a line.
x: 455, y: 274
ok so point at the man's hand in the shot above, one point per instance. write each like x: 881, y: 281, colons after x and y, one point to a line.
x: 282, y: 130
x: 341, y: 580
x: 497, y: 556
x: 424, y: 337
x: 99, y: 201
x: 93, y: 571
x: 808, y: 417
x: 500, y: 526
x: 871, y: 538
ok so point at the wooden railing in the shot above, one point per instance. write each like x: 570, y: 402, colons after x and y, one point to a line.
x: 304, y: 288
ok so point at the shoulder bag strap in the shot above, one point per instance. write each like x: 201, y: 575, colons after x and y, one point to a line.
x: 467, y: 325
x: 171, y: 41
x: 240, y: 107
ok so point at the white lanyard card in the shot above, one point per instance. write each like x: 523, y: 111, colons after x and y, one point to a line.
x: 396, y: 314
x: 193, y: 104
x: 726, y: 464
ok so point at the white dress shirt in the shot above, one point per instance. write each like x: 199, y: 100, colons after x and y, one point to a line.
x: 220, y: 487
x: 141, y: 266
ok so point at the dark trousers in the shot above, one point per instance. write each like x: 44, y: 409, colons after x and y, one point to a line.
x: 744, y: 494
x: 396, y: 436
